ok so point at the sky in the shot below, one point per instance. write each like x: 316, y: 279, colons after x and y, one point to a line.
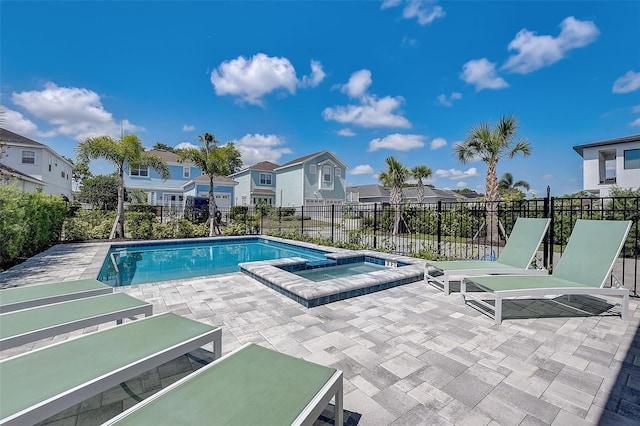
x: 365, y: 80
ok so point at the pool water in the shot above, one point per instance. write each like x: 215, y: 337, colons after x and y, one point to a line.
x: 153, y: 262
x: 339, y: 271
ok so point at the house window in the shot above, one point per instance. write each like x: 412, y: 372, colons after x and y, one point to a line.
x: 327, y: 173
x: 338, y: 172
x: 142, y: 172
x: 265, y: 178
x: 28, y: 157
x: 312, y: 169
x: 632, y: 159
x: 186, y: 172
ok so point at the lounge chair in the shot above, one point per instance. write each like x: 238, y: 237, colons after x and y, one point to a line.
x: 12, y: 299
x: 583, y: 269
x: 29, y: 325
x: 516, y: 257
x: 250, y: 386
x: 38, y: 384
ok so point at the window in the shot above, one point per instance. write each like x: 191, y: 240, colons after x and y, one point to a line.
x: 338, y: 172
x: 265, y: 178
x: 632, y: 159
x: 186, y: 172
x: 142, y: 172
x: 312, y: 169
x: 28, y: 157
x: 327, y: 173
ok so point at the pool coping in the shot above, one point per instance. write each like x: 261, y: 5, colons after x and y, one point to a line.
x: 310, y: 294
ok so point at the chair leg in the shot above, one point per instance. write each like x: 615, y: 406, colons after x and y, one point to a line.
x: 463, y: 290
x: 447, y: 287
x: 338, y: 407
x: 498, y: 311
x: 625, y: 307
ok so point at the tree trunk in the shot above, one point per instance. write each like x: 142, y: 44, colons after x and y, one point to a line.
x: 396, y: 201
x: 493, y: 198
x: 212, y: 209
x: 420, y: 191
x: 120, y: 217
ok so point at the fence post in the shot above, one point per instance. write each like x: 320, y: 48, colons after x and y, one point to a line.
x: 301, y: 220
x: 439, y: 215
x: 551, y: 231
x: 545, y: 249
x: 333, y: 219
x: 375, y: 225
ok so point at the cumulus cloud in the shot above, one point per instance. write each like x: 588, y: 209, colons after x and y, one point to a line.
x: 438, y: 143
x: 537, y: 51
x: 456, y: 174
x: 72, y: 111
x: 250, y: 79
x: 256, y: 148
x: 18, y: 123
x: 635, y: 122
x: 187, y: 145
x: 448, y: 101
x: 316, y: 77
x: 371, y: 110
x: 424, y: 11
x: 188, y: 128
x: 346, y: 132
x: 363, y: 169
x: 397, y: 142
x: 482, y: 74
x: 461, y: 185
x: 627, y: 83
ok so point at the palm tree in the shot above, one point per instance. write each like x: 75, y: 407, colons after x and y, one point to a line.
x: 126, y: 150
x: 394, y: 178
x: 490, y: 145
x: 213, y: 161
x: 506, y: 185
x: 419, y: 173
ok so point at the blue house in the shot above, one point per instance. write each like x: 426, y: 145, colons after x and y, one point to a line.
x: 256, y: 184
x: 185, y: 179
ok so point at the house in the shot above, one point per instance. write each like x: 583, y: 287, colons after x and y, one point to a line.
x: 33, y: 166
x: 374, y: 193
x: 431, y: 195
x: 367, y: 194
x: 610, y: 163
x: 185, y: 179
x: 256, y: 184
x: 312, y: 180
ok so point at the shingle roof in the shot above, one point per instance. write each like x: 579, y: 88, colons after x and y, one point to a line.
x: 264, y: 165
x: 301, y: 160
x: 218, y: 179
x: 367, y: 191
x: 9, y: 136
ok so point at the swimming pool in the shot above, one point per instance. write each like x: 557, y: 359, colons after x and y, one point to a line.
x: 142, y: 263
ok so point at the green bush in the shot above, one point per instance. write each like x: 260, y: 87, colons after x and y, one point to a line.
x: 238, y: 213
x: 29, y: 223
x: 140, y: 225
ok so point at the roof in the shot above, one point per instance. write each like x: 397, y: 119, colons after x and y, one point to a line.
x: 627, y: 139
x: 267, y: 166
x: 369, y: 191
x: 8, y: 136
x: 168, y: 156
x: 263, y: 191
x: 6, y: 170
x: 216, y: 179
x: 306, y: 158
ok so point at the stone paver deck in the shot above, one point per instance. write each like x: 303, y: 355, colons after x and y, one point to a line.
x: 410, y: 355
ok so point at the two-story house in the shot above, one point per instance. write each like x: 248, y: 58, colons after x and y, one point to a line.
x: 256, y: 184
x: 32, y: 166
x: 610, y: 163
x: 185, y: 179
x: 312, y: 180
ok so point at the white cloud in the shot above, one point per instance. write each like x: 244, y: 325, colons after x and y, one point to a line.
x: 424, y: 11
x: 316, y: 77
x: 627, y: 83
x: 406, y: 41
x: 438, y: 143
x: 363, y: 169
x: 482, y: 74
x: 187, y: 145
x: 443, y: 100
x: 346, y: 132
x: 358, y: 84
x: 535, y: 52
x: 251, y: 79
x: 548, y: 176
x: 256, y: 148
x: 18, y: 123
x: 461, y: 185
x: 371, y: 112
x: 397, y: 142
x: 636, y: 108
x: 72, y: 111
x: 188, y: 128
x: 457, y: 174
x: 635, y: 122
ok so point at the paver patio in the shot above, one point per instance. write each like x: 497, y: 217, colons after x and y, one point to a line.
x: 410, y: 355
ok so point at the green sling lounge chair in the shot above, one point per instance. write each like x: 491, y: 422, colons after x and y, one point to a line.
x: 584, y: 268
x: 12, y: 299
x: 516, y: 257
x: 29, y: 325
x: 250, y: 386
x: 38, y: 384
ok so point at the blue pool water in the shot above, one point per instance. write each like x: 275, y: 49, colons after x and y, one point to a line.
x: 153, y: 262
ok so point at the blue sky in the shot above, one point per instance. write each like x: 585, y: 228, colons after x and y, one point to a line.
x: 363, y: 79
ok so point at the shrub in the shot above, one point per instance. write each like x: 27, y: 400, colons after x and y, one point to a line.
x: 140, y: 225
